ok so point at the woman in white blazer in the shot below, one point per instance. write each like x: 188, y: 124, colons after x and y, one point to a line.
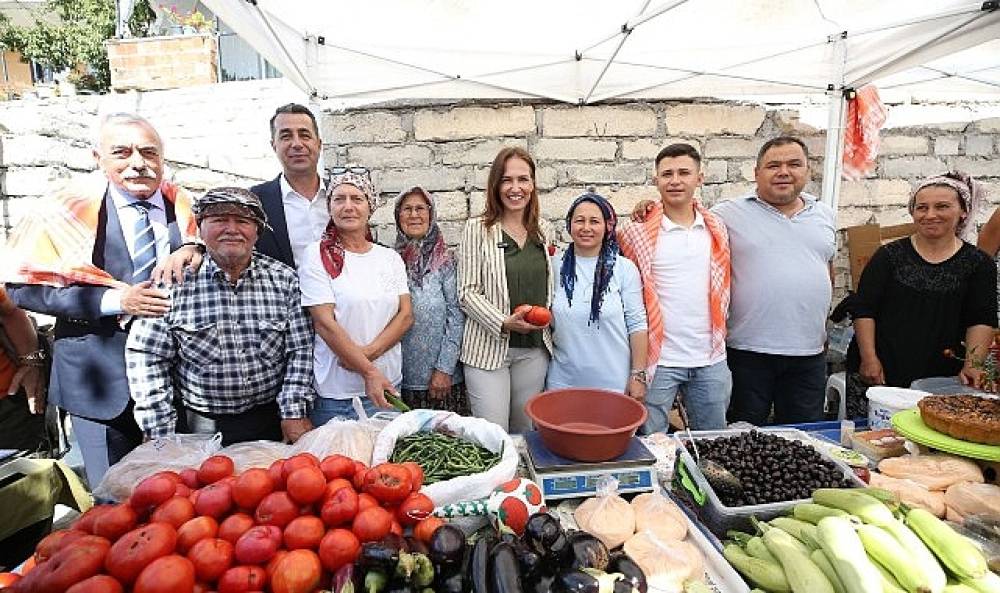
x: 503, y: 262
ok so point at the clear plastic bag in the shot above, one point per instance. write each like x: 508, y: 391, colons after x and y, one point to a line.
x: 607, y: 516
x: 175, y: 452
x: 654, y: 511
x: 351, y: 438
x: 252, y: 454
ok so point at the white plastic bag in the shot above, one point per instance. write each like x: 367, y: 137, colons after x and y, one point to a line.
x: 346, y: 437
x: 175, y: 452
x: 476, y: 430
x: 251, y: 454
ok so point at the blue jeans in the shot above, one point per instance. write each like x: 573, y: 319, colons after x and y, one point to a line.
x: 706, y: 396
x: 325, y: 408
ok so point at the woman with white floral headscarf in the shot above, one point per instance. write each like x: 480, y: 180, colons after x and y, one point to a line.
x: 927, y: 300
x: 432, y: 375
x: 357, y: 294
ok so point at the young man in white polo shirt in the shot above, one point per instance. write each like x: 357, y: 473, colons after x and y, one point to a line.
x: 682, y: 252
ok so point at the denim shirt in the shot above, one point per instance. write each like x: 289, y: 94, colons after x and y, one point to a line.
x: 435, y: 339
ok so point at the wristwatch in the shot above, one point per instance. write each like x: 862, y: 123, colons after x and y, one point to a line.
x: 639, y: 375
x: 33, y: 359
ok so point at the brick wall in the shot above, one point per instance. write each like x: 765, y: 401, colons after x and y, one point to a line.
x: 218, y: 134
x: 153, y: 63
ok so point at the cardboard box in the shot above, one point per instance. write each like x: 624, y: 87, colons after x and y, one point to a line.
x: 863, y: 240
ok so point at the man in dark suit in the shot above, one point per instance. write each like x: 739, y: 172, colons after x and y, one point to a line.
x: 293, y: 201
x: 120, y: 225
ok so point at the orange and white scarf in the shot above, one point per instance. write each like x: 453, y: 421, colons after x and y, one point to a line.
x: 638, y: 243
x: 53, y: 244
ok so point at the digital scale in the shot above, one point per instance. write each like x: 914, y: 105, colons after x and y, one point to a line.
x: 565, y: 478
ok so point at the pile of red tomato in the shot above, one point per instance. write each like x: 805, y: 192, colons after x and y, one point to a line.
x: 284, y: 529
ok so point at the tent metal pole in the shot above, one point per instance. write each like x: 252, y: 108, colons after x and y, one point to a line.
x: 628, y: 26
x: 971, y: 9
x: 833, y: 161
x: 311, y: 90
x: 627, y: 29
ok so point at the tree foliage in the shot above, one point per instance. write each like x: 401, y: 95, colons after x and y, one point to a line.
x: 77, y: 37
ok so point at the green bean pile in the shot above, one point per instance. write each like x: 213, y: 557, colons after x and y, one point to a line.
x: 444, y: 457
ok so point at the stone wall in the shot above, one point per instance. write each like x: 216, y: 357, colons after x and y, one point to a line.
x: 152, y: 63
x: 218, y: 134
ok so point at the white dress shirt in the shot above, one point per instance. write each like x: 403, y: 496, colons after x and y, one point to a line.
x: 306, y: 218
x: 111, y: 302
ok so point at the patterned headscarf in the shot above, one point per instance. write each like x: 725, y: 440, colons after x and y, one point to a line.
x: 971, y: 193
x: 331, y: 249
x: 605, y: 258
x: 428, y: 253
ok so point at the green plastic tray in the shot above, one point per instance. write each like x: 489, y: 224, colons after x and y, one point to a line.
x: 909, y: 424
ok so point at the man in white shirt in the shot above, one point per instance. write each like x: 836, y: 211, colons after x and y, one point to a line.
x: 293, y: 201
x: 682, y: 252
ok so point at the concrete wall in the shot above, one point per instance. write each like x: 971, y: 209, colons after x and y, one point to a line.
x: 218, y: 134
x: 152, y: 63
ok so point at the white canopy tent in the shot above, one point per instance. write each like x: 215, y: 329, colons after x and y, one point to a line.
x: 584, y: 51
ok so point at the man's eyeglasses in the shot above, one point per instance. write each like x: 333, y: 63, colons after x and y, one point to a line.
x: 356, y: 170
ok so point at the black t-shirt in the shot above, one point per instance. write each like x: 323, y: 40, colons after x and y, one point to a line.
x: 920, y: 309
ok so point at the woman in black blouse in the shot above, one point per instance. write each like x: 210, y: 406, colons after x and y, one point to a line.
x: 925, y: 296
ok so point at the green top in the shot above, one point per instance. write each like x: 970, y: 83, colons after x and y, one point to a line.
x: 526, y: 283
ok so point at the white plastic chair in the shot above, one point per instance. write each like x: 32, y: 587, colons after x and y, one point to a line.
x: 836, y: 387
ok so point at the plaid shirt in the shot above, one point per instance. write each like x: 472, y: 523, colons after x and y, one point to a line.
x: 223, y: 349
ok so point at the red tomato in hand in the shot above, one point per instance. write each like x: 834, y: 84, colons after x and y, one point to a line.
x: 251, y: 487
x: 388, y: 483
x: 522, y: 309
x: 215, y: 468
x: 242, y: 579
x: 417, y: 506
x: 211, y: 558
x: 137, y: 548
x: 371, y: 525
x: 337, y: 548
x: 539, y: 316
x: 169, y: 574
x: 340, y: 508
x: 298, y: 571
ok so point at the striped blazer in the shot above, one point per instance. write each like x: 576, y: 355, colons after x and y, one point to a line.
x: 482, y: 292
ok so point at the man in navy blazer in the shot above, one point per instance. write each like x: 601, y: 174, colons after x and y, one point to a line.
x: 88, y: 372
x: 294, y: 200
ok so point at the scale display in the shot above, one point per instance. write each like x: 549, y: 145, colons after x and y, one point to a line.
x: 564, y: 478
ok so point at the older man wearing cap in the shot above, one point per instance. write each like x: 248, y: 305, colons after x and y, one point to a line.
x: 235, y: 347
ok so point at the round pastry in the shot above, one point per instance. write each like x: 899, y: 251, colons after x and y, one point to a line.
x: 965, y: 417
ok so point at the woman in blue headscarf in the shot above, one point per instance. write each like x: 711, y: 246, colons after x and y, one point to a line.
x: 598, y: 317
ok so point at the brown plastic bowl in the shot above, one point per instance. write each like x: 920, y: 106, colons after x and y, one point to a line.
x: 585, y: 424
